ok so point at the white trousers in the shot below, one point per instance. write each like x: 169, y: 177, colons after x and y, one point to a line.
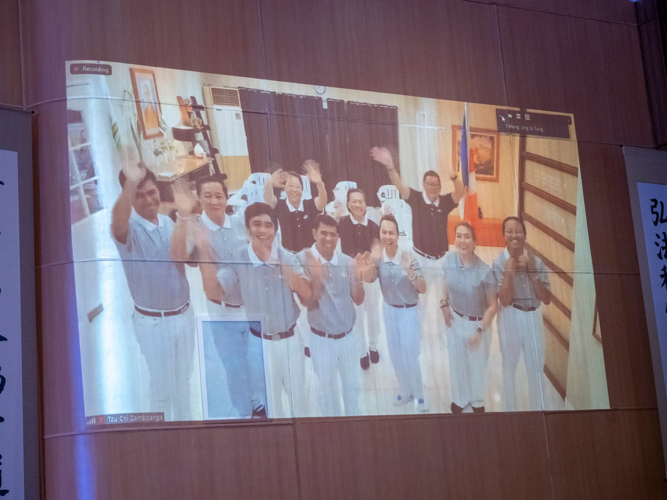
x: 467, y: 366
x: 331, y: 358
x: 403, y: 339
x: 168, y: 345
x: 242, y: 359
x: 367, y: 324
x: 521, y: 331
x: 284, y: 361
x: 429, y: 302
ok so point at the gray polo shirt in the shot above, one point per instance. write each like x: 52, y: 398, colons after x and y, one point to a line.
x: 155, y: 281
x: 524, y: 293
x: 263, y: 288
x: 468, y: 286
x: 335, y: 311
x: 225, y: 241
x: 397, y: 288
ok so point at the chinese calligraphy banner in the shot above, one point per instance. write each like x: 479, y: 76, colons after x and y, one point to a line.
x: 647, y: 182
x: 11, y: 374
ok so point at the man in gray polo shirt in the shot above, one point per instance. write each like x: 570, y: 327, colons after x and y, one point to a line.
x: 211, y: 240
x: 523, y: 285
x: 267, y: 275
x: 336, y: 287
x: 163, y: 319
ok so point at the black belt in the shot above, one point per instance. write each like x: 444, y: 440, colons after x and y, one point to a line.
x: 426, y: 255
x: 160, y: 314
x: 219, y: 302
x: 524, y: 309
x: 274, y: 336
x: 406, y: 306
x: 334, y: 336
x: 469, y: 318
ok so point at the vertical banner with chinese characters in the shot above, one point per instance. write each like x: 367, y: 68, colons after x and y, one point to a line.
x: 653, y: 203
x: 647, y: 184
x: 11, y: 395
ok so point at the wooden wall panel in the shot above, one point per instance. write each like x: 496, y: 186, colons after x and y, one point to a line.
x: 214, y: 36
x: 442, y: 49
x: 207, y: 462
x: 654, y: 51
x: 445, y: 49
x: 621, y: 11
x: 51, y: 162
x: 606, y: 454
x: 603, y: 85
x: 462, y: 456
x: 10, y: 54
x: 62, y: 400
x: 627, y: 355
x: 607, y: 201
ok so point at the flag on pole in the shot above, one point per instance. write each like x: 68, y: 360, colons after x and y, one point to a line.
x: 470, y: 210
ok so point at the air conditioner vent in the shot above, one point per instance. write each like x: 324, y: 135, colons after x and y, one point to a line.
x: 225, y: 97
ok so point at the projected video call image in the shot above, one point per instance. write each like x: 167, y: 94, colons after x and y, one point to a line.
x: 254, y: 249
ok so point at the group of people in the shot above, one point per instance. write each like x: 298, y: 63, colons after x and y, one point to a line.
x: 316, y: 283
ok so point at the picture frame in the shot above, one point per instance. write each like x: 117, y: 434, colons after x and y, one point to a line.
x: 147, y: 100
x: 488, y: 160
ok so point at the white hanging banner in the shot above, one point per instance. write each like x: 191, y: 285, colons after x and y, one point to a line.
x: 653, y: 203
x: 647, y: 182
x: 11, y: 375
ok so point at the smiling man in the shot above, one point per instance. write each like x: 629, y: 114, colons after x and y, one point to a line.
x: 163, y: 319
x: 211, y: 239
x: 523, y: 286
x: 267, y: 275
x: 336, y: 287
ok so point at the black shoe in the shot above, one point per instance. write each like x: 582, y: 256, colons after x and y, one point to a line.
x: 478, y: 410
x: 365, y: 362
x: 375, y: 356
x: 456, y: 409
x: 259, y: 413
x: 306, y: 351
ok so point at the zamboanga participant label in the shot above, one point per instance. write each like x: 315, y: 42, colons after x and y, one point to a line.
x: 125, y: 418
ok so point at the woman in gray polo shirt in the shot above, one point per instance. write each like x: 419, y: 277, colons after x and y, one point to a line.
x: 469, y: 304
x: 401, y: 282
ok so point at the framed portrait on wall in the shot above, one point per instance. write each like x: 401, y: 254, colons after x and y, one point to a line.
x: 485, y: 144
x: 148, y: 102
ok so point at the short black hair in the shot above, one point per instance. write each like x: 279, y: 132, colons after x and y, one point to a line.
x: 350, y: 192
x: 219, y: 178
x: 511, y: 217
x: 431, y: 173
x: 389, y: 218
x: 257, y: 209
x: 148, y: 176
x: 295, y: 174
x: 325, y: 219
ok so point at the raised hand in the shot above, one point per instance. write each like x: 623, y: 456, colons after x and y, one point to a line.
x: 315, y: 268
x: 406, y: 260
x: 183, y: 197
x: 376, y: 251
x: 133, y: 172
x: 312, y: 169
x: 521, y: 263
x: 383, y: 156
x: 278, y: 178
x: 339, y: 209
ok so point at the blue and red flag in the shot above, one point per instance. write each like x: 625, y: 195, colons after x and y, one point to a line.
x: 470, y: 210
